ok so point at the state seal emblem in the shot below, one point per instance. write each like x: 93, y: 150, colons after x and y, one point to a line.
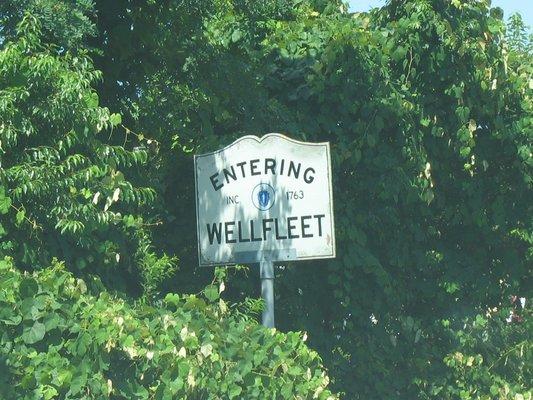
x: 263, y: 196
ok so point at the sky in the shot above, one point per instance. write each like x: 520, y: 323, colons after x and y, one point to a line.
x: 524, y: 7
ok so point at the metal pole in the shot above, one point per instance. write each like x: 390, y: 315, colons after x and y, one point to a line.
x: 266, y: 271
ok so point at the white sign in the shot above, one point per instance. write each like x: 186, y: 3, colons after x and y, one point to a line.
x: 264, y: 198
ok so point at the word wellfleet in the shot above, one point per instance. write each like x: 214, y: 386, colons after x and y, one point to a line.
x: 306, y: 226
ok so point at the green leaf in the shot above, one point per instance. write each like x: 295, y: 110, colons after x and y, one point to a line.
x: 129, y: 221
x: 236, y: 35
x: 77, y: 383
x: 494, y: 26
x: 371, y: 140
x: 287, y: 390
x: 465, y: 151
x: 28, y: 288
x: 172, y: 298
x: 5, y: 202
x: 5, y: 264
x: 83, y: 342
x: 115, y: 119
x: 33, y: 334
x: 211, y: 292
x: 19, y: 217
x: 235, y: 390
x: 92, y: 101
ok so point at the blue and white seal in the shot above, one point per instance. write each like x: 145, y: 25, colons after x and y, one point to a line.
x: 263, y: 196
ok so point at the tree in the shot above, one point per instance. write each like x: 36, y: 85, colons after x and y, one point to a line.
x: 64, y: 193
x: 63, y: 189
x: 517, y: 35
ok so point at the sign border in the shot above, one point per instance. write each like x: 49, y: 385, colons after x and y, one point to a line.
x: 259, y: 140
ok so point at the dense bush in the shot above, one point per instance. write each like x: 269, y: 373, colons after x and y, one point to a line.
x: 59, y: 341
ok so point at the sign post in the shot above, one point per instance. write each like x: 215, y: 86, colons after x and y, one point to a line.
x: 266, y: 272
x: 262, y: 200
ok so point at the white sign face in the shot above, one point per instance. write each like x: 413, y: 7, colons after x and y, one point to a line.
x: 264, y: 198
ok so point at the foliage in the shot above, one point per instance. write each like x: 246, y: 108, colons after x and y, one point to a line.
x: 59, y: 341
x: 476, y: 371
x: 63, y: 187
x: 430, y: 125
x: 427, y: 106
x: 520, y: 45
x: 518, y: 37
x: 66, y: 23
